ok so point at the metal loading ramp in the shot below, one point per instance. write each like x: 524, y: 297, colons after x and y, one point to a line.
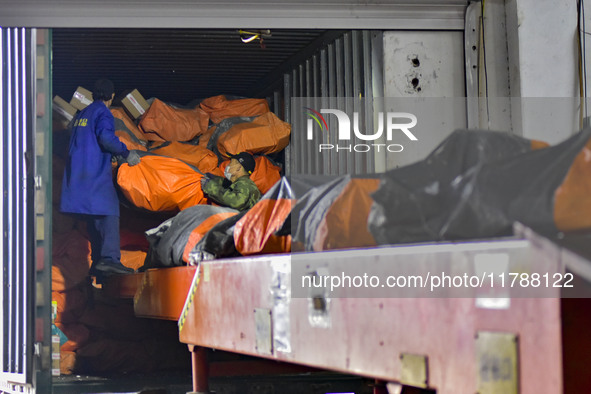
x: 448, y: 344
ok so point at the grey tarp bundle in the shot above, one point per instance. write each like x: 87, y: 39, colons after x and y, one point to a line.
x: 311, y: 208
x: 475, y: 184
x: 300, y: 185
x: 218, y: 242
x: 168, y: 240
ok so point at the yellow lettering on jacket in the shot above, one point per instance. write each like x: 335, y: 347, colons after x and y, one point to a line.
x: 81, y: 122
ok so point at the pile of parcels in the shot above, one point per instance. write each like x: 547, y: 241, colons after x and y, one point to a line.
x: 178, y: 146
x: 476, y: 184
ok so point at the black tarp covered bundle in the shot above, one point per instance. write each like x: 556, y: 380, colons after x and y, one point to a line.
x: 475, y: 184
x: 169, y: 240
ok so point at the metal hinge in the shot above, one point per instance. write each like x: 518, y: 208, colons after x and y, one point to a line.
x: 37, y: 348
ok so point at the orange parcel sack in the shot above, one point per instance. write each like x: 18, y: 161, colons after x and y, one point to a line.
x: 219, y: 107
x: 71, y: 260
x: 205, y: 137
x: 161, y: 183
x: 264, y: 135
x: 123, y: 122
x: 198, y: 156
x: 265, y: 174
x: 345, y: 222
x: 161, y: 122
x: 254, y: 233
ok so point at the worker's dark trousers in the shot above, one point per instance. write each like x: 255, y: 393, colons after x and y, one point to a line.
x: 103, y: 231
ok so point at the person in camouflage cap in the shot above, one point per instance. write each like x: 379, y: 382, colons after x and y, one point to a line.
x: 236, y: 190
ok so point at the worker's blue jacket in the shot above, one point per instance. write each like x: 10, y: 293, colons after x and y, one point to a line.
x: 88, y: 181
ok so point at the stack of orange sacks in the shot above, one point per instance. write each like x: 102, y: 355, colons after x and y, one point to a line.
x: 103, y: 335
x: 176, y: 141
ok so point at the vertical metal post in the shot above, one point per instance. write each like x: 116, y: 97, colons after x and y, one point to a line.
x: 377, y: 80
x: 367, y: 162
x: 302, y: 149
x: 39, y: 172
x: 313, y: 157
x: 17, y: 120
x: 332, y: 92
x: 200, y: 369
x: 326, y: 137
x: 340, y: 80
x: 296, y: 151
x: 471, y: 44
x: 287, y: 94
x: 357, y: 54
x: 3, y: 126
x: 349, y: 92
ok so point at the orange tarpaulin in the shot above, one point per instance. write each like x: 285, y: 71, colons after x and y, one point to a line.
x: 201, y: 230
x: 161, y: 183
x: 219, y: 107
x: 70, y: 260
x: 162, y: 122
x: 133, y: 258
x: 205, y: 137
x: 345, y: 222
x: 198, y: 156
x: 119, y: 113
x: 572, y: 200
x: 264, y: 135
x: 265, y: 173
x: 99, y: 329
x: 128, y: 141
x: 254, y: 232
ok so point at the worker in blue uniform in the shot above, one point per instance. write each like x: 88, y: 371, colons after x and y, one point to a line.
x: 88, y: 190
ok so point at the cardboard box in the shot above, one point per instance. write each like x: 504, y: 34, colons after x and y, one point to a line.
x: 81, y: 99
x: 135, y: 104
x: 63, y: 108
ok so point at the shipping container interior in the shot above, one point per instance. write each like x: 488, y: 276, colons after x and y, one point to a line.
x: 182, y: 67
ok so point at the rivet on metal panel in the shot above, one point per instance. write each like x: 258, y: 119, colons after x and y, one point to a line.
x: 414, y: 370
x: 497, y: 355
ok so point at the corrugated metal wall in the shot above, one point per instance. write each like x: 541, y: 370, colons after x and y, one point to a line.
x: 350, y: 67
x: 17, y: 118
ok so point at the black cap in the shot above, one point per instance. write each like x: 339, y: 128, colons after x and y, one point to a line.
x: 246, y: 160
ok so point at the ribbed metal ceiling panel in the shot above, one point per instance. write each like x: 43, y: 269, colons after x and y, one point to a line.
x: 175, y: 65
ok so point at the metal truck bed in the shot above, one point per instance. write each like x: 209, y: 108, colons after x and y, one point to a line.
x: 490, y: 339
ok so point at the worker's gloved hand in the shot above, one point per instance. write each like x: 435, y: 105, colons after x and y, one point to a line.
x: 133, y: 158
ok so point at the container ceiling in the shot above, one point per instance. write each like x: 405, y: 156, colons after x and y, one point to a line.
x: 174, y: 65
